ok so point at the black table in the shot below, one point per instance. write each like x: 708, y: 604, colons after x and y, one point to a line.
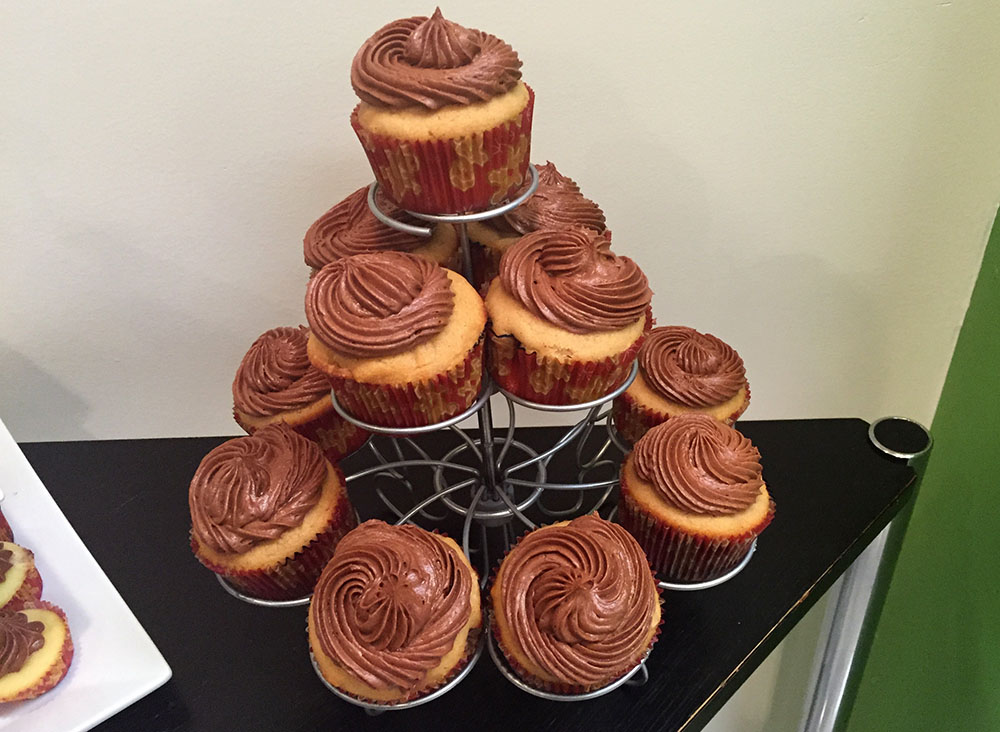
x: 242, y: 667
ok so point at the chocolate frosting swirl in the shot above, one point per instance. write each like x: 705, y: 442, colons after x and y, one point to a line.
x: 700, y: 465
x: 570, y: 278
x: 19, y: 638
x: 557, y: 203
x: 350, y: 227
x: 390, y: 604
x: 690, y: 368
x: 379, y: 304
x: 431, y: 63
x: 579, y: 599
x: 6, y: 556
x: 252, y: 489
x: 275, y: 375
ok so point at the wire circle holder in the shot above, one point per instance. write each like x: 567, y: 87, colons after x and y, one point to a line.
x: 260, y: 602
x: 708, y: 584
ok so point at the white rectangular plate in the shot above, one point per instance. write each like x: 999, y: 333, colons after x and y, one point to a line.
x: 114, y: 662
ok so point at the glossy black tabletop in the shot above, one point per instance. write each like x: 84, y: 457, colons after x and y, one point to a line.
x: 236, y: 666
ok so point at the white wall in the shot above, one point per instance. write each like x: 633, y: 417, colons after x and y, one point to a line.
x: 813, y: 182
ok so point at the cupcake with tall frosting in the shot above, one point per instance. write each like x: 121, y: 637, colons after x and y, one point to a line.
x: 267, y: 511
x: 557, y: 203
x: 350, y: 227
x: 399, y: 337
x: 682, y: 371
x: 276, y: 383
x: 444, y: 117
x: 36, y: 650
x: 396, y: 613
x: 567, y: 317
x: 693, y: 495
x: 575, y: 605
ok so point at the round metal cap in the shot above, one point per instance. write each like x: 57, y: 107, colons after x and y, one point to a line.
x: 900, y: 437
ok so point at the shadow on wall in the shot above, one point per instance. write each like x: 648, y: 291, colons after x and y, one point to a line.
x: 24, y: 379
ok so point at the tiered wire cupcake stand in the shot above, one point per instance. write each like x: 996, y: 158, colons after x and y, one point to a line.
x: 490, y: 481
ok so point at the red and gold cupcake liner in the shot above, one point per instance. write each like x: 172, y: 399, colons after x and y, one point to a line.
x: 633, y: 420
x: 29, y: 593
x: 459, y: 175
x: 541, y: 684
x: 414, y: 404
x: 5, y: 532
x: 57, y: 670
x: 679, y: 556
x: 549, y: 381
x: 336, y: 437
x: 296, y: 576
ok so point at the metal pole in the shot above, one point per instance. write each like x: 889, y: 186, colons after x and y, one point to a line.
x: 854, y: 611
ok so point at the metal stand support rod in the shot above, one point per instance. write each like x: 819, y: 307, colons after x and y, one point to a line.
x: 854, y: 612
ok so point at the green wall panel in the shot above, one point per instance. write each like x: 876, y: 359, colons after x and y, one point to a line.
x: 935, y: 662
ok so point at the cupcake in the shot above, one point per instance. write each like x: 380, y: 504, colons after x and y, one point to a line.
x: 350, y: 227
x: 682, y: 371
x: 267, y: 511
x: 37, y: 651
x: 556, y: 204
x: 276, y: 383
x: 399, y: 338
x: 444, y: 117
x: 20, y: 583
x: 396, y: 613
x: 567, y: 317
x: 693, y: 495
x: 575, y: 606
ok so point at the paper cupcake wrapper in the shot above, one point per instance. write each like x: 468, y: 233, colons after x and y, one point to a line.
x: 549, y: 381
x: 472, y: 640
x: 296, y: 576
x: 679, y: 556
x: 542, y: 684
x: 418, y: 403
x: 474, y: 172
x: 5, y: 532
x: 29, y: 593
x: 56, y: 671
x: 633, y: 420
